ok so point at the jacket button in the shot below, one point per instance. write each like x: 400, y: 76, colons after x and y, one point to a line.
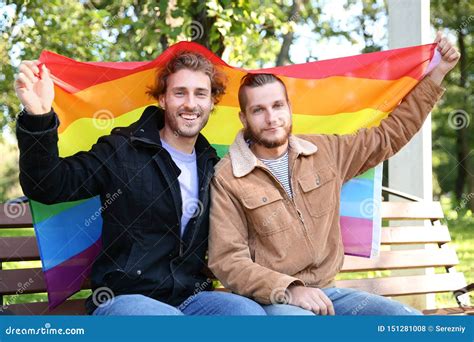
x: 264, y: 199
x: 317, y: 182
x: 139, y: 272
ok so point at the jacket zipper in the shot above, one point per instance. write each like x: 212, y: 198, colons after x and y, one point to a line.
x: 177, y: 213
x: 292, y: 200
x: 193, y: 238
x: 181, y: 243
x: 300, y: 215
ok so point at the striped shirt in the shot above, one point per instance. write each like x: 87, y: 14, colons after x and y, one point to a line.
x: 280, y: 169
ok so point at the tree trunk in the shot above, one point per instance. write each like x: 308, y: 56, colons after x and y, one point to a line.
x: 283, y: 57
x: 462, y: 148
x: 202, y: 34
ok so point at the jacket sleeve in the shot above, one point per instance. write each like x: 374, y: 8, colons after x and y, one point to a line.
x: 47, y: 178
x: 229, y: 254
x: 368, y: 147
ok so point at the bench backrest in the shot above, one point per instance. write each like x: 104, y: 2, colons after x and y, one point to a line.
x: 416, y: 225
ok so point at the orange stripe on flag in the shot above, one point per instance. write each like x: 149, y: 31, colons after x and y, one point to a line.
x: 329, y: 96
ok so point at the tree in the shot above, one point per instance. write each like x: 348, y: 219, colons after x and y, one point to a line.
x: 454, y: 148
x: 246, y: 32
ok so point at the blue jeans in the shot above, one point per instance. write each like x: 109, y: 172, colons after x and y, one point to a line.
x: 348, y: 302
x: 202, y: 303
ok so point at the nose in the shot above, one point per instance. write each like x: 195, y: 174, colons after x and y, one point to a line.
x: 190, y: 102
x: 271, y: 117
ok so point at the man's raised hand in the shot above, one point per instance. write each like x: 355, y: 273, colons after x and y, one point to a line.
x: 34, y: 87
x: 449, y: 58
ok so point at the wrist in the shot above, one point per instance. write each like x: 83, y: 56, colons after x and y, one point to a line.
x: 437, y: 76
x: 293, y: 286
x: 37, y: 110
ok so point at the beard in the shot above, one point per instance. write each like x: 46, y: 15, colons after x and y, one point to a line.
x: 180, y: 127
x: 259, y: 139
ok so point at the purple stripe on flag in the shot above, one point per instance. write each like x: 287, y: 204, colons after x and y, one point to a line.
x: 67, y: 277
x: 356, y: 236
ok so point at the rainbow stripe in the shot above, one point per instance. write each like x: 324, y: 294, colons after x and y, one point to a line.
x: 333, y: 96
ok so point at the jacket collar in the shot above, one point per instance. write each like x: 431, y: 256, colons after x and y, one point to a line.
x: 244, y: 160
x: 145, y: 132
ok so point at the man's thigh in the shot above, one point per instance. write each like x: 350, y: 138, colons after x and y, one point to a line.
x: 286, y: 310
x: 354, y: 302
x: 135, y: 305
x: 220, y: 303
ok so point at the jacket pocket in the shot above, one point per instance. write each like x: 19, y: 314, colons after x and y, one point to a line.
x: 266, y: 211
x: 124, y: 279
x: 319, y: 191
x: 134, y: 262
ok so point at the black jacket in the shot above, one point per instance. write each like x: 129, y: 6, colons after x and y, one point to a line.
x: 142, y: 249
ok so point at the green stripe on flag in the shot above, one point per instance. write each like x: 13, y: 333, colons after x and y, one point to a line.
x: 44, y: 211
x: 367, y: 174
x: 221, y: 149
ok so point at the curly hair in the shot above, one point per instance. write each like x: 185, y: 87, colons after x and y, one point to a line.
x: 192, y: 61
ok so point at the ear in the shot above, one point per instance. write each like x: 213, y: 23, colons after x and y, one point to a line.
x: 243, y: 119
x: 162, y: 101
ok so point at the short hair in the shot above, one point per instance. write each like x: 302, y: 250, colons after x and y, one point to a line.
x: 254, y: 81
x: 192, y: 61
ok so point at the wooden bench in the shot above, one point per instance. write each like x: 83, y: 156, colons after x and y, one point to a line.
x: 14, y: 249
x: 431, y: 234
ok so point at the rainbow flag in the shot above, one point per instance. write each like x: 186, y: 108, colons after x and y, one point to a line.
x: 332, y: 96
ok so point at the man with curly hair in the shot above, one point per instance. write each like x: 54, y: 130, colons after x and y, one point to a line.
x: 154, y: 238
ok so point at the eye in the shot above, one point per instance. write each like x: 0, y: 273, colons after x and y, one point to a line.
x: 179, y: 93
x: 257, y: 110
x: 278, y: 105
x: 202, y: 94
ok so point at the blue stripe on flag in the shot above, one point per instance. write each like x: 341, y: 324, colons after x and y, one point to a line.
x: 70, y: 232
x: 357, y: 198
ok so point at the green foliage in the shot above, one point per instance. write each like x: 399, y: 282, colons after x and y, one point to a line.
x: 9, y: 186
x: 246, y: 32
x: 460, y: 221
x: 27, y: 28
x: 453, y: 118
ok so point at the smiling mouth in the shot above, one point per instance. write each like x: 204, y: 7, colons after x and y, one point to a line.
x: 189, y: 116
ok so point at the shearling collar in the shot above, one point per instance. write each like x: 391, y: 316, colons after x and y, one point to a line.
x: 244, y: 161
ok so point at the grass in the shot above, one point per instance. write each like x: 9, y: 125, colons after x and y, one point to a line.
x: 461, y: 227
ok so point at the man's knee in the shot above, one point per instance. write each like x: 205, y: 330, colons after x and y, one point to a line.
x: 245, y: 306
x: 230, y: 304
x: 396, y: 308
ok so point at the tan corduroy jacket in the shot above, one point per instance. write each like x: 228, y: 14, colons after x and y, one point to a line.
x: 261, y: 241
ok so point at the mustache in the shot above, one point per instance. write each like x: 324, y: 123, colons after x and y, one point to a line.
x: 195, y: 110
x: 272, y: 127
